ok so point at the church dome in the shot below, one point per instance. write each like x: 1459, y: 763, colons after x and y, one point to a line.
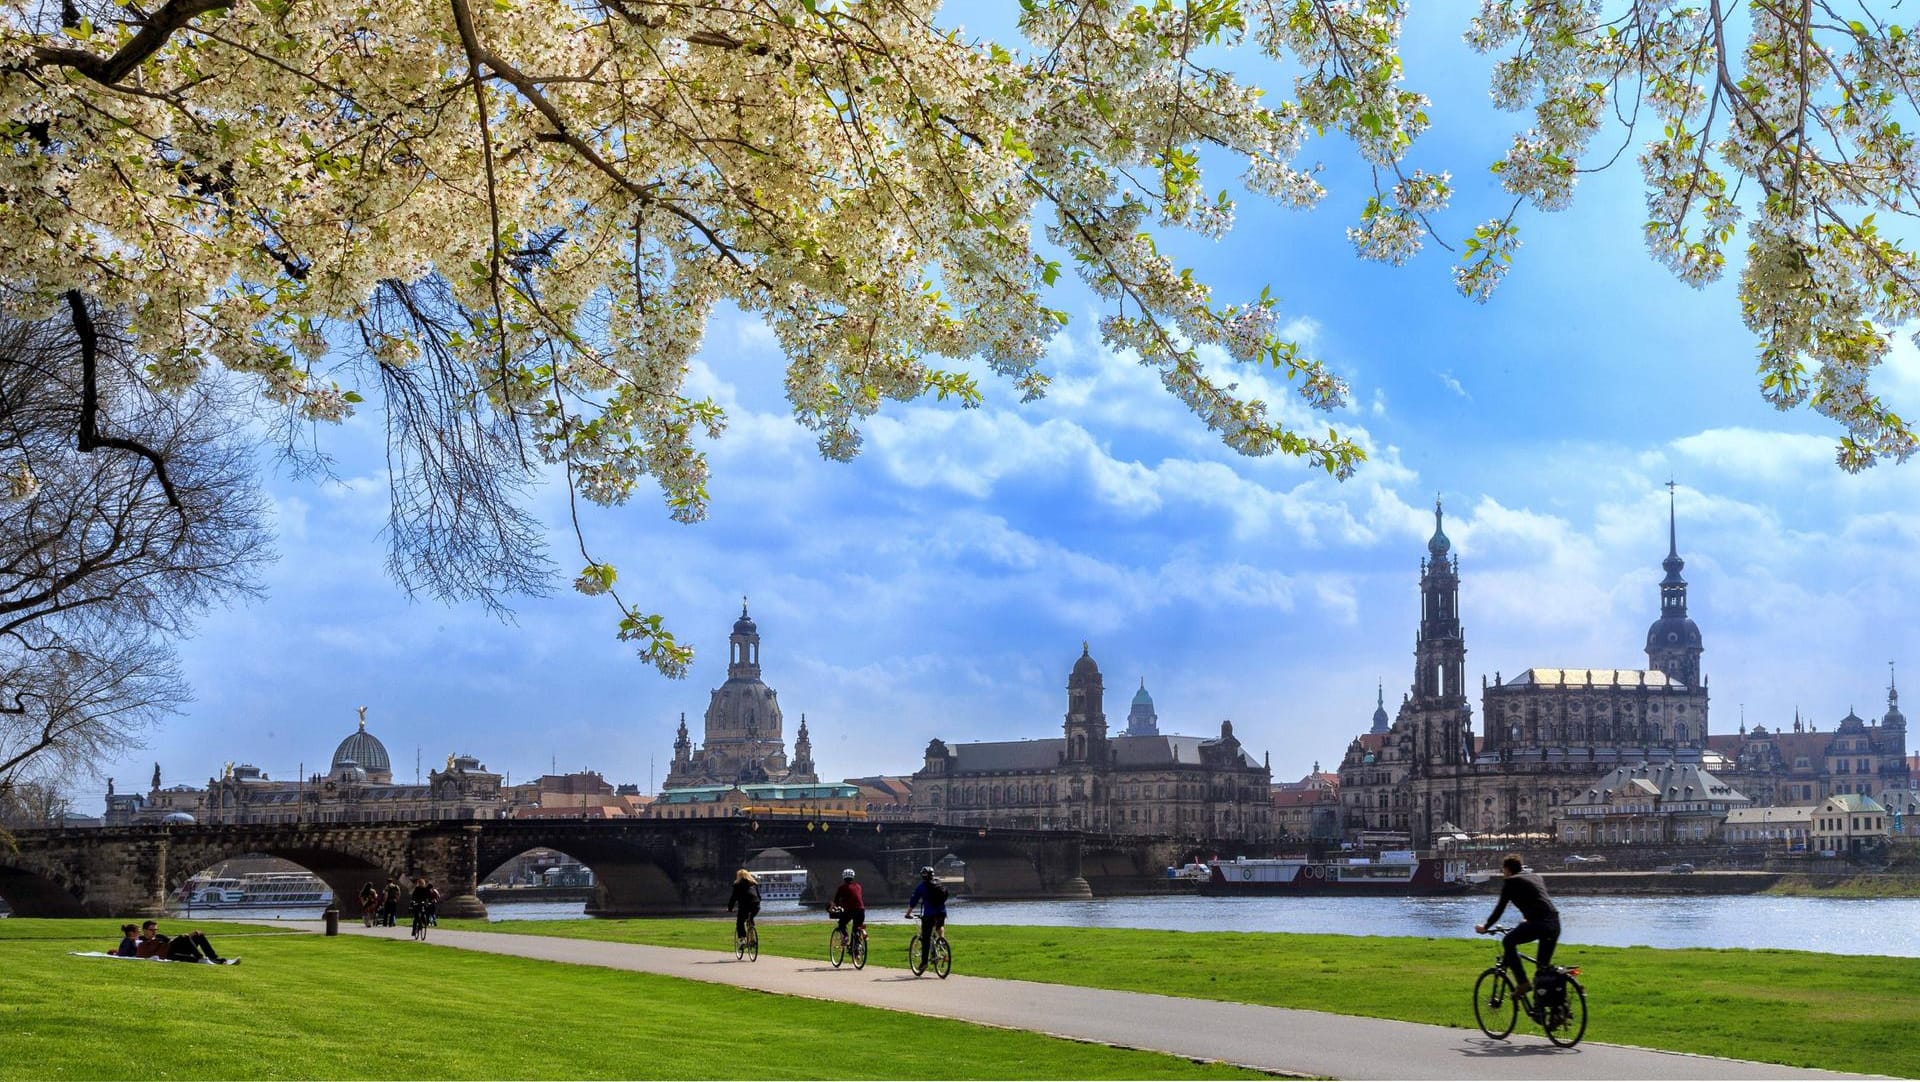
x: 363, y: 749
x: 1086, y: 665
x: 745, y: 625
x: 1670, y: 632
x: 1438, y: 545
x: 1141, y: 698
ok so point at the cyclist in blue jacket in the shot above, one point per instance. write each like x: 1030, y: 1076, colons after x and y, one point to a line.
x: 931, y: 897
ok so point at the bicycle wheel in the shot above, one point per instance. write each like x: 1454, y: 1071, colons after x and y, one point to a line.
x: 1566, y: 1024
x: 739, y: 947
x: 753, y: 943
x: 916, y: 957
x: 942, y: 957
x: 859, y: 951
x: 837, y: 948
x: 1495, y: 1006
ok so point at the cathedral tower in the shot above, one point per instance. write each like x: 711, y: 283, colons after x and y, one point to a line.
x: 1440, y: 649
x: 1434, y: 730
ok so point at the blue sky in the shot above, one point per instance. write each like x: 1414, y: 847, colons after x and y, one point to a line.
x: 941, y: 584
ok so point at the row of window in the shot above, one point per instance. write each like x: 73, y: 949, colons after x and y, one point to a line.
x: 1835, y: 824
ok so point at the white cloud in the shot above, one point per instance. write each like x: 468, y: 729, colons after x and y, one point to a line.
x: 1754, y: 453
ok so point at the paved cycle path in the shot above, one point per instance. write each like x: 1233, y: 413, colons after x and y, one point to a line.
x: 1267, y: 1038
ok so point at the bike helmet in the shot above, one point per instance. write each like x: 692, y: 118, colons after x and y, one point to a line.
x: 926, y: 872
x: 846, y: 873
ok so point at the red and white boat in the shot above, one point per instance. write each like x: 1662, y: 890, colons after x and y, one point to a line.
x: 1393, y: 872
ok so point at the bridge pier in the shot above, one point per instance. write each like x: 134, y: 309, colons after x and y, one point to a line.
x: 463, y: 906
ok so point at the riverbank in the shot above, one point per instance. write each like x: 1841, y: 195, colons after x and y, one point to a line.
x: 1864, y: 885
x: 1846, y: 1013
x: 304, y: 1006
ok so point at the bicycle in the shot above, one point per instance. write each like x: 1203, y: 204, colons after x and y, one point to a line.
x: 942, y: 955
x: 1497, y: 1002
x: 420, y: 923
x: 839, y: 947
x: 748, y: 946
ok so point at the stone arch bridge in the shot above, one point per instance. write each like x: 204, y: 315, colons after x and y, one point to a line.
x: 641, y: 866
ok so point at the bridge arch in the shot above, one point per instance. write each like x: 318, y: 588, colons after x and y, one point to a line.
x: 33, y: 888
x: 341, y: 860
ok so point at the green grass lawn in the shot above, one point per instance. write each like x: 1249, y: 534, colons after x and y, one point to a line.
x: 1839, y: 1012
x: 302, y: 1006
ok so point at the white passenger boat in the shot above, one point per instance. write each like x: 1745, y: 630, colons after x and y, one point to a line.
x: 254, y: 890
x: 782, y: 885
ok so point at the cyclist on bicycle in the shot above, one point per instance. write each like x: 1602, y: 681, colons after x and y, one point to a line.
x: 746, y: 894
x: 850, y: 906
x: 422, y: 899
x: 931, y: 897
x: 1539, y: 919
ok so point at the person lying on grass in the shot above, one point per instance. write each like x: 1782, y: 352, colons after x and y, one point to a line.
x: 191, y: 947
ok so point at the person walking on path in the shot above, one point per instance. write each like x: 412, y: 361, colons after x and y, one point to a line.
x: 369, y: 904
x: 390, y: 907
x: 1539, y: 919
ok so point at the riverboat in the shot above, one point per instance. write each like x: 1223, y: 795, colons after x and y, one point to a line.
x: 254, y: 890
x: 1397, y: 872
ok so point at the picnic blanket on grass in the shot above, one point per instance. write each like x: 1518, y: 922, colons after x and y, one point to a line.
x: 108, y: 954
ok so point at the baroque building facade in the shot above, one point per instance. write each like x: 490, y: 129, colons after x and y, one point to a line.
x: 1803, y: 765
x: 744, y: 742
x: 1140, y: 781
x: 1550, y: 731
x: 358, y: 787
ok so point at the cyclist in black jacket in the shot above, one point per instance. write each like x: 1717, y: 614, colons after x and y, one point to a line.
x: 1539, y: 918
x: 746, y: 896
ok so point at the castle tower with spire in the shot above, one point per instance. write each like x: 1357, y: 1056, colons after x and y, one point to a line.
x: 1673, y: 642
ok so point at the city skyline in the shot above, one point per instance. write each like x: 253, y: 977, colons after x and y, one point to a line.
x: 943, y: 581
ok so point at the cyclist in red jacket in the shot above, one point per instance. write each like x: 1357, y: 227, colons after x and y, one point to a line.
x: 850, y: 906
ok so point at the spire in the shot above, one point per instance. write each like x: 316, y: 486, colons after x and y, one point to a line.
x: 743, y: 606
x: 1438, y: 545
x: 1893, y: 691
x: 1673, y: 530
x: 1673, y: 563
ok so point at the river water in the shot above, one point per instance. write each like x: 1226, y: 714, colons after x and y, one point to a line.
x: 1868, y: 926
x: 1882, y: 926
